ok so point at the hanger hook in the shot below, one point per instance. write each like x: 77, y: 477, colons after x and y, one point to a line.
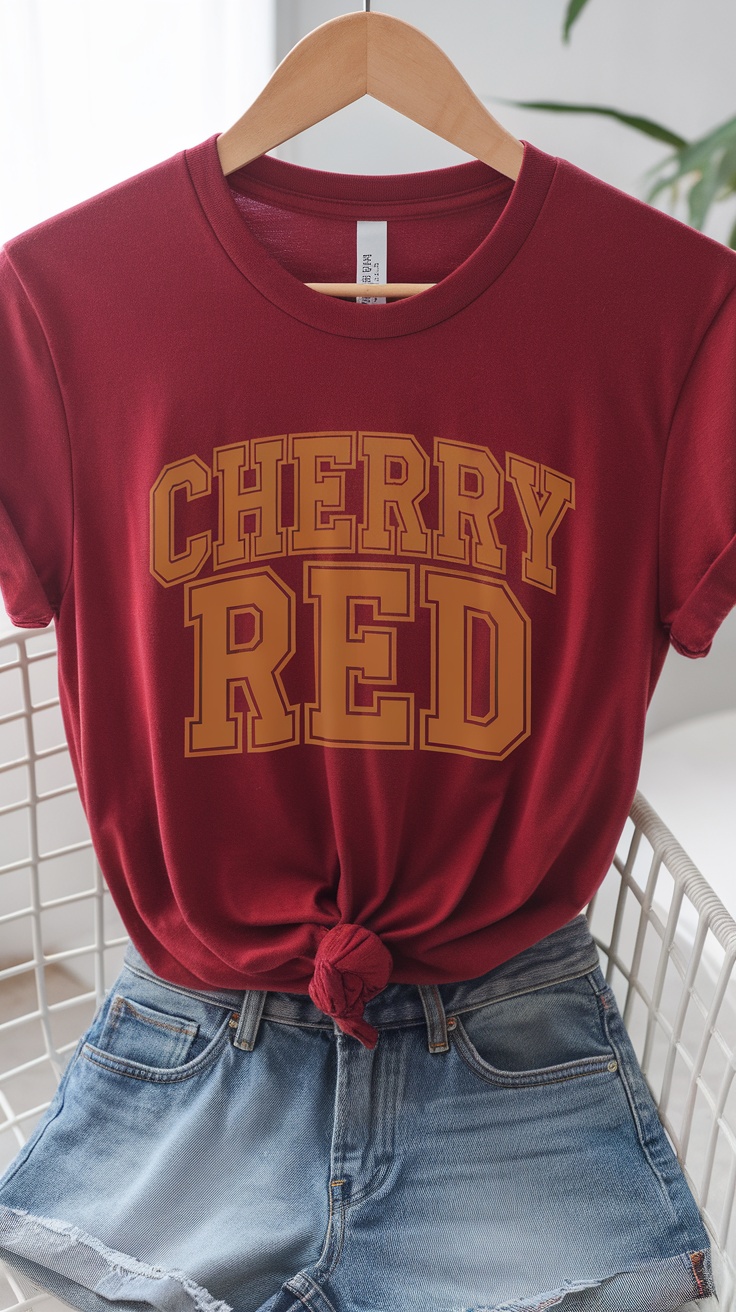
x: 366, y: 6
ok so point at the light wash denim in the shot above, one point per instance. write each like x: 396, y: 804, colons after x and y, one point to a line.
x: 223, y: 1151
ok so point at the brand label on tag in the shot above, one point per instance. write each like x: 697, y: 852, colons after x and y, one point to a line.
x: 371, y: 257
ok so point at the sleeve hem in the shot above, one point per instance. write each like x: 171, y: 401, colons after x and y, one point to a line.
x: 692, y: 630
x: 30, y: 624
x: 19, y: 580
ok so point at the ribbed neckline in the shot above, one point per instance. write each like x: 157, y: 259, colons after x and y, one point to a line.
x: 366, y: 196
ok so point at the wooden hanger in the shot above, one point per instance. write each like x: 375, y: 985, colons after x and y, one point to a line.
x: 368, y: 54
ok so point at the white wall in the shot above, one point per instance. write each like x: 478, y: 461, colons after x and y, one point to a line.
x: 94, y: 91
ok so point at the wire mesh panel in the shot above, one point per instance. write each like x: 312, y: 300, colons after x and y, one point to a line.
x: 61, y: 937
x: 667, y: 946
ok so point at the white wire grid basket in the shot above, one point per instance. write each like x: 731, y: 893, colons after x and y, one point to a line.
x: 666, y: 944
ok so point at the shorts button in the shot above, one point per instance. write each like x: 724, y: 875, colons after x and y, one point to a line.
x: 613, y: 1065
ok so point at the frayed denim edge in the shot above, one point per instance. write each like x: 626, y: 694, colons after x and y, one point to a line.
x: 109, y: 1274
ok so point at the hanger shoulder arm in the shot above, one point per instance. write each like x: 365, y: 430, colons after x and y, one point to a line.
x: 369, y: 54
x: 412, y: 74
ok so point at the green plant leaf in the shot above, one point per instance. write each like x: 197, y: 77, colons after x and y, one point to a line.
x: 712, y: 158
x: 645, y: 125
x: 701, y: 194
x: 694, y: 155
x: 727, y: 173
x: 574, y: 10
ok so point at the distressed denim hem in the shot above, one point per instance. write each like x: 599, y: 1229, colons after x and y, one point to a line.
x: 678, y: 1282
x: 84, y: 1272
x: 661, y: 1286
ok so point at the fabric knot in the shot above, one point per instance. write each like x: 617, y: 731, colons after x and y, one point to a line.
x: 351, y: 966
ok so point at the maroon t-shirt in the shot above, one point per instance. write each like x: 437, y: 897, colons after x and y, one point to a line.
x: 360, y: 607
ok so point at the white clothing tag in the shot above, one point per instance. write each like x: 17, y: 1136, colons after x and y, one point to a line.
x: 372, y: 243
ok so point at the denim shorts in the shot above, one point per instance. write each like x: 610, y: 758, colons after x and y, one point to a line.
x: 225, y: 1151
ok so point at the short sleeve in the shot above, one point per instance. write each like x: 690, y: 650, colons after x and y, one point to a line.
x: 697, y: 525
x: 35, y: 463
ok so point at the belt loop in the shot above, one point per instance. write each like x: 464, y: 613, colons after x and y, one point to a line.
x: 249, y: 1020
x: 434, y: 1011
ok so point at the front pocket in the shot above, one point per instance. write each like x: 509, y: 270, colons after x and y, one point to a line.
x: 150, y: 1030
x: 546, y: 1035
x: 142, y: 1034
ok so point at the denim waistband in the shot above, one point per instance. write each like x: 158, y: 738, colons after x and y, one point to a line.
x: 566, y: 953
